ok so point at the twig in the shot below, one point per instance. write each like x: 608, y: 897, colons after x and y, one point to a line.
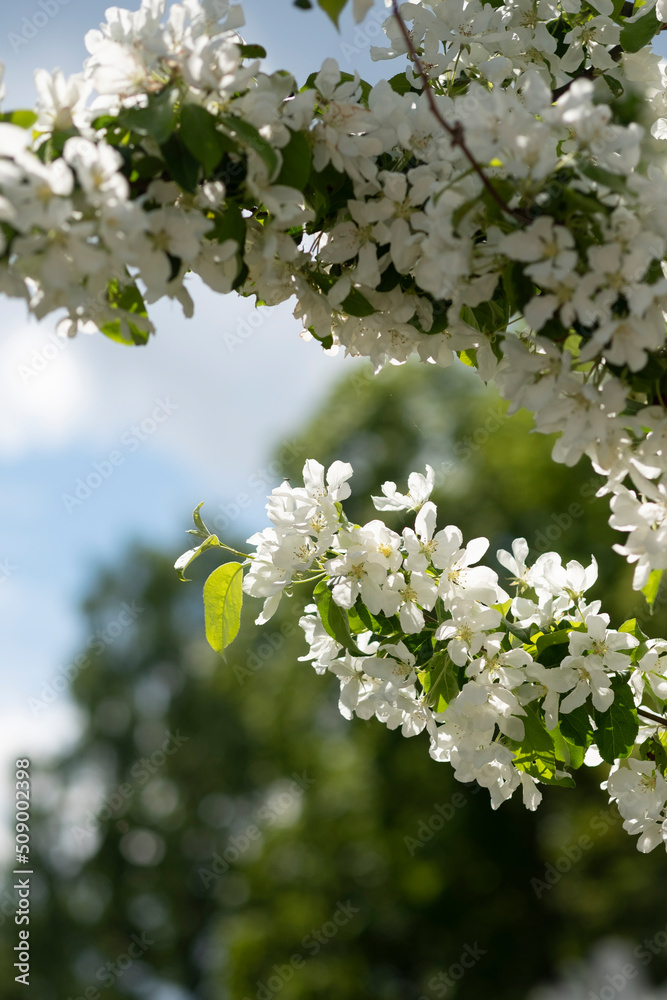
x: 454, y: 131
x: 654, y: 718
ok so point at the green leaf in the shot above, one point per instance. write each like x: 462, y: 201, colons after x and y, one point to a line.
x: 129, y: 302
x: 146, y: 167
x: 248, y: 134
x: 570, y: 753
x: 614, y: 85
x: 378, y: 624
x: 463, y: 209
x: 356, y: 622
x: 537, y: 736
x: 333, y: 8
x: 576, y: 727
x: 618, y: 726
x: 469, y: 357
x: 552, y: 648
x: 24, y: 119
x: 537, y: 753
x: 638, y: 34
x: 601, y: 176
x: 124, y: 332
x: 632, y: 628
x: 200, y: 529
x: 655, y: 748
x: 201, y: 137
x: 157, y: 119
x: 400, y: 84
x: 230, y: 225
x: 543, y: 766
x: 488, y: 317
x: 223, y: 600
x: 650, y: 591
x: 127, y: 297
x: 439, y: 681
x: 356, y: 304
x: 303, y: 4
x: 334, y: 618
x: 518, y: 287
x: 297, y: 158
x: 181, y: 164
x: 253, y: 51
x: 189, y: 557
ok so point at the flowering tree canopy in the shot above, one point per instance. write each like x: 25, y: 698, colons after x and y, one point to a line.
x: 501, y: 198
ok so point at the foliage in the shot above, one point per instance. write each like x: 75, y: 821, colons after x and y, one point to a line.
x: 429, y: 865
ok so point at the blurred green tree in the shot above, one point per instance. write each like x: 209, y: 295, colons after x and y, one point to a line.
x: 220, y: 831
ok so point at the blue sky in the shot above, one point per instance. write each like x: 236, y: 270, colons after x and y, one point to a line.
x: 64, y: 410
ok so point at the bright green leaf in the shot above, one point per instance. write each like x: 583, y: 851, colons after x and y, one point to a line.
x: 128, y: 300
x: 632, y: 628
x: 650, y: 591
x: 24, y: 119
x: 223, y: 599
x: 333, y: 8
x: 469, y: 357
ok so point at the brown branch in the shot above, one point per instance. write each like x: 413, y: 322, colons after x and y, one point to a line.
x: 454, y: 131
x: 654, y: 718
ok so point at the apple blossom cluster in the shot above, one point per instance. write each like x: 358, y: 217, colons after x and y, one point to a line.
x: 501, y: 198
x: 513, y: 690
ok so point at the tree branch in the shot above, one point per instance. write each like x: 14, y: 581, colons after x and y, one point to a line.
x: 654, y: 718
x: 454, y: 131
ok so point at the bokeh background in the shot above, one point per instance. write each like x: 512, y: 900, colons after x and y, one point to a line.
x: 210, y: 829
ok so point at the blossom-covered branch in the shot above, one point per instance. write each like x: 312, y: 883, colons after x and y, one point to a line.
x: 513, y: 690
x: 455, y: 130
x: 173, y: 154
